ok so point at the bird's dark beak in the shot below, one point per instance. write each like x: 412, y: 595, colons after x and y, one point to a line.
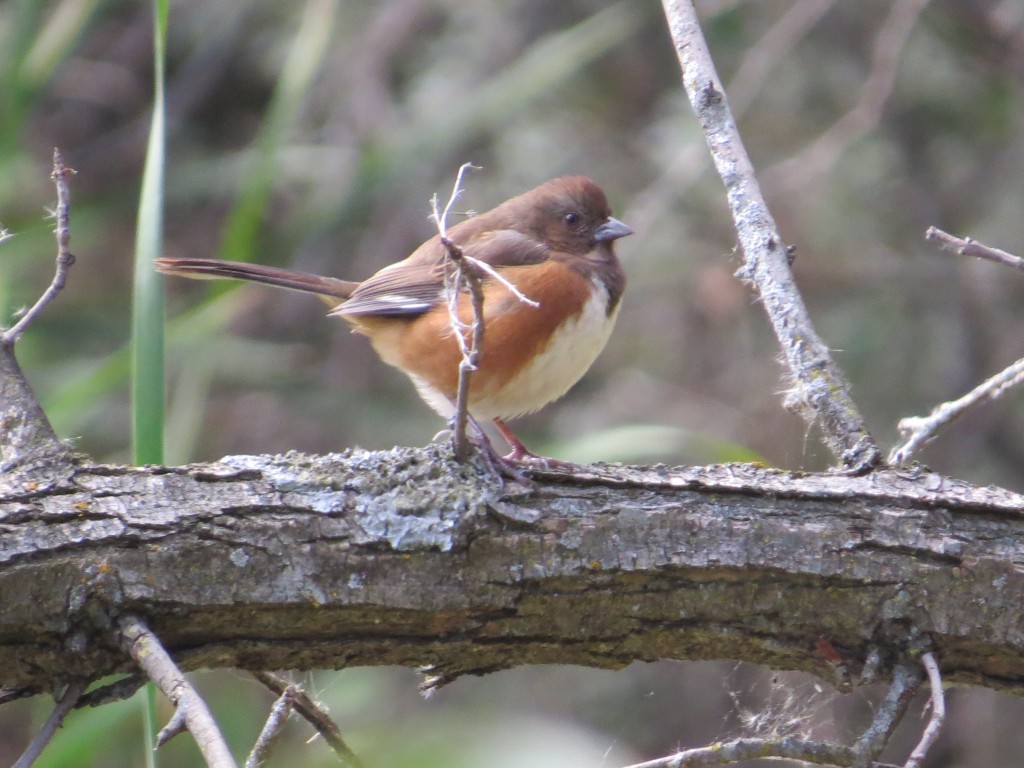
x: 612, y: 229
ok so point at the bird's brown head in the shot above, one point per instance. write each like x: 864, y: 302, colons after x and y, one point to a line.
x: 570, y: 214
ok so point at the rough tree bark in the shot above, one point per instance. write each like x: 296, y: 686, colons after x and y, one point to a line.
x: 406, y: 557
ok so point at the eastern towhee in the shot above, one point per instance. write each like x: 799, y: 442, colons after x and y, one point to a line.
x: 555, y: 243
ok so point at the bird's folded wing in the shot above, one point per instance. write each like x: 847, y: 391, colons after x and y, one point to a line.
x: 413, y: 286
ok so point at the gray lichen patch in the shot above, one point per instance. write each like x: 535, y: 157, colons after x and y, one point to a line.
x: 401, y: 497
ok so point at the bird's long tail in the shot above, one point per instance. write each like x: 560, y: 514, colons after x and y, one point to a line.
x: 328, y: 288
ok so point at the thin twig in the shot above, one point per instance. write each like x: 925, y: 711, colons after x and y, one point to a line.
x: 938, y: 701
x: 458, y: 275
x: 470, y: 358
x: 316, y: 715
x: 463, y: 271
x: 442, y: 228
x: 790, y: 747
x: 272, y: 728
x: 441, y: 219
x: 191, y: 711
x: 906, y: 679
x: 967, y: 246
x: 176, y: 726
x: 820, y: 392
x: 66, y: 703
x: 917, y: 430
x: 64, y: 257
x: 27, y: 434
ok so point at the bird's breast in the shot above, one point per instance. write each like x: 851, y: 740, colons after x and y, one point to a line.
x: 568, y: 353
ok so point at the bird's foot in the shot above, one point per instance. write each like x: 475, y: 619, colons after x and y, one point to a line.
x: 520, y: 455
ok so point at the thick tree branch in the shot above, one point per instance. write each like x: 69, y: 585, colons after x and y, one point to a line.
x: 406, y: 557
x: 819, y: 391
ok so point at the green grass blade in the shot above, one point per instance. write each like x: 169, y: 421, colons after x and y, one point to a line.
x: 147, y: 379
x: 148, y: 304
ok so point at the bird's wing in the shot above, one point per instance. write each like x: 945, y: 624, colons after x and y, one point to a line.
x: 413, y: 286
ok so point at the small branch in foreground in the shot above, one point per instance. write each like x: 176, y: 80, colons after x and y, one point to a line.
x: 65, y: 258
x: 315, y: 715
x: 905, y: 681
x: 457, y: 277
x: 820, y: 391
x: 465, y: 272
x: 470, y: 357
x: 968, y: 247
x: 191, y: 712
x: 66, y: 703
x: 272, y: 728
x: 938, y: 702
x: 917, y: 430
x: 470, y: 342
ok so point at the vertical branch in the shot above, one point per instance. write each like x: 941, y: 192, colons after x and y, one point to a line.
x: 471, y: 352
x: 938, y: 702
x: 457, y: 276
x: 65, y: 258
x: 464, y: 271
x: 819, y: 392
x: 25, y: 430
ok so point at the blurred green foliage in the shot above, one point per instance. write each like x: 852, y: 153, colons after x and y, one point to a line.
x: 313, y: 135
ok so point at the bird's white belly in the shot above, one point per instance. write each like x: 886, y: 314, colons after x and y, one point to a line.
x: 568, y: 355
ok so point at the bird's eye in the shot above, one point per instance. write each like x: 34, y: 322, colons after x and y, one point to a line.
x: 572, y: 218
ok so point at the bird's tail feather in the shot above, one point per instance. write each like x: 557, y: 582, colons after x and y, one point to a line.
x: 213, y: 269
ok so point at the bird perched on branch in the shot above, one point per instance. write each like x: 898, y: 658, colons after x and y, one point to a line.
x: 555, y: 244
